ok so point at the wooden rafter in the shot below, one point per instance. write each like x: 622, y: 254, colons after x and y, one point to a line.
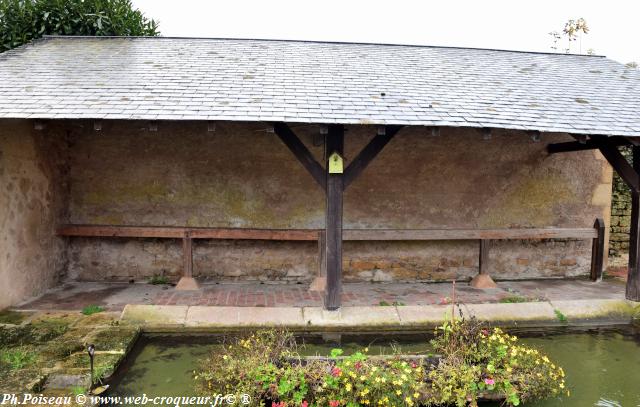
x: 368, y: 153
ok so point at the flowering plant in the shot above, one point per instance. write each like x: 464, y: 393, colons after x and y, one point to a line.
x: 474, y: 363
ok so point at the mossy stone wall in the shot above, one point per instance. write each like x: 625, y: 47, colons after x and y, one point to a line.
x: 620, y: 214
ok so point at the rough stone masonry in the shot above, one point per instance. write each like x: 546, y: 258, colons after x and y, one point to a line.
x: 240, y: 175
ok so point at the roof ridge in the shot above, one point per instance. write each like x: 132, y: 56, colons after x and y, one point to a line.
x: 319, y: 42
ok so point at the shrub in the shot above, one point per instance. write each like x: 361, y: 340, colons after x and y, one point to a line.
x: 22, y: 21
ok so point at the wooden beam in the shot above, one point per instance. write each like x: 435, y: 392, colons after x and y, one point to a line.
x: 194, y: 233
x: 628, y: 173
x: 592, y: 144
x: 333, y: 225
x: 597, y: 250
x: 633, y: 277
x: 368, y: 153
x: 312, y: 234
x: 468, y: 234
x: 301, y: 152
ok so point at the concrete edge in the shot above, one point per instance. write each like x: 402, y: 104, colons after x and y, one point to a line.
x: 372, y: 318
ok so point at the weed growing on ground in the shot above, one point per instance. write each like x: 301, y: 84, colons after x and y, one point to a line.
x: 92, y: 309
x: 560, y: 316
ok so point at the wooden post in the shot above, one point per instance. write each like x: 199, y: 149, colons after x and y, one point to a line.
x: 483, y: 279
x: 633, y: 277
x: 597, y: 251
x: 333, y: 225
x: 187, y: 282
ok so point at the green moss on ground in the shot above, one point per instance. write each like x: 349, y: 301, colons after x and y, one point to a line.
x: 13, y: 317
x: 55, y: 344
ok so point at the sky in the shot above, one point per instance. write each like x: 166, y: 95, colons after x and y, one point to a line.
x: 502, y: 24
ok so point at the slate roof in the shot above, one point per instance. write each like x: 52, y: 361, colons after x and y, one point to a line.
x: 317, y: 82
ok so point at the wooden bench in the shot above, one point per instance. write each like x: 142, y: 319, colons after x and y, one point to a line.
x: 484, y: 236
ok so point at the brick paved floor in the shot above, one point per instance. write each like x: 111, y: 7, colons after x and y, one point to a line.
x: 114, y: 296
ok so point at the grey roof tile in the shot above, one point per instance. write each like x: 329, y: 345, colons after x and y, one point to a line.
x: 314, y: 82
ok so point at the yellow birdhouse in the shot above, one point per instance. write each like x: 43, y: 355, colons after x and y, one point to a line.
x: 335, y: 164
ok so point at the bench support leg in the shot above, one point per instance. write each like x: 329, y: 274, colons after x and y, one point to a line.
x: 187, y: 282
x: 597, y: 251
x: 319, y: 283
x: 483, y: 279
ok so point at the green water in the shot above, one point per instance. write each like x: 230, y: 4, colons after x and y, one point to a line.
x: 602, y: 366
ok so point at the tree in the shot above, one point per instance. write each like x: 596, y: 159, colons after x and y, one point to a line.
x: 22, y: 21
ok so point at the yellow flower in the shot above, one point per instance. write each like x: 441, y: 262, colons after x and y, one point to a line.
x: 398, y: 392
x: 348, y: 387
x: 415, y: 395
x: 562, y: 385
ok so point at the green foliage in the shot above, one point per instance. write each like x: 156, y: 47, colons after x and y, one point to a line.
x: 158, y: 280
x: 77, y: 390
x: 92, y: 309
x: 513, y: 299
x: 474, y: 363
x: 560, y: 316
x: 22, y: 21
x: 16, y: 358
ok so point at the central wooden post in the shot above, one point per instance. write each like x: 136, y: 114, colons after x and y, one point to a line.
x: 333, y: 225
x: 633, y: 277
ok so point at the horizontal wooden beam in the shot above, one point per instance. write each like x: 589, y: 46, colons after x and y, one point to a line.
x: 468, y: 234
x: 312, y: 234
x: 592, y: 144
x: 194, y: 233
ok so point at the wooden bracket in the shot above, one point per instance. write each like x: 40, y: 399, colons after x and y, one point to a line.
x: 368, y: 153
x: 301, y: 152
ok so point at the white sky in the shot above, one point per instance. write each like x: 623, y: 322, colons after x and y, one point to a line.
x: 503, y: 24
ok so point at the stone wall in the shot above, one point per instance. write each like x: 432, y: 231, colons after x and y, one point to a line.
x: 620, y: 217
x: 242, y: 176
x: 32, y: 202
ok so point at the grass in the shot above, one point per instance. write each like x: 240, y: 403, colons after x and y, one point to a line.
x: 512, y: 299
x: 12, y: 317
x: 395, y: 303
x: 92, y: 309
x: 17, y: 358
x: 560, y: 316
x: 158, y: 280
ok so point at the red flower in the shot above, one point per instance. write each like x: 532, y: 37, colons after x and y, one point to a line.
x: 413, y: 365
x: 279, y: 404
x: 485, y: 332
x: 336, y: 371
x: 358, y: 365
x: 334, y: 403
x: 304, y: 404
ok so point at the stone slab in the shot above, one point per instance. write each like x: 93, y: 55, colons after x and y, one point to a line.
x: 351, y: 316
x: 229, y: 317
x: 155, y: 315
x: 525, y: 311
x: 596, y: 309
x: 426, y: 314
